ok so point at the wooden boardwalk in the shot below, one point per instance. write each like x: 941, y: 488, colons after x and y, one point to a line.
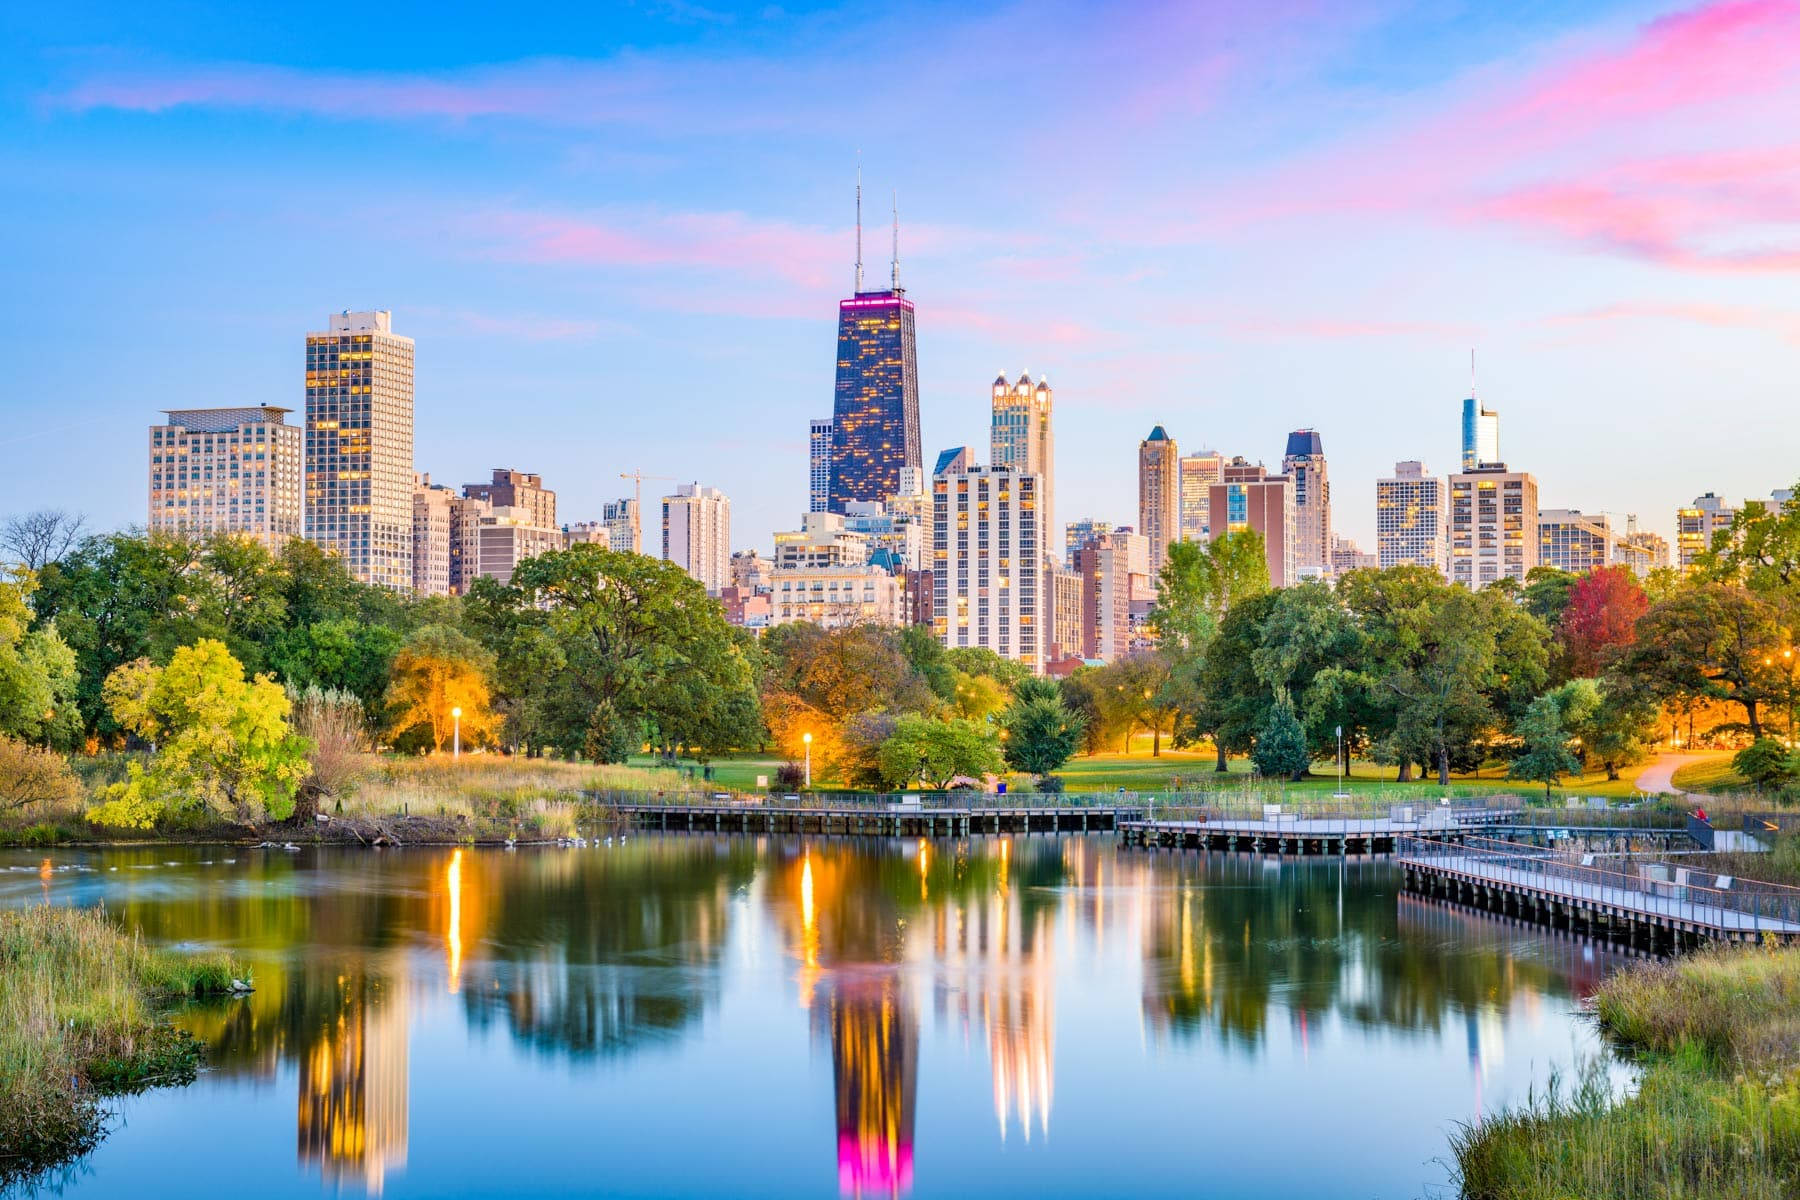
x: 1298, y: 833
x: 890, y: 820
x: 1637, y: 903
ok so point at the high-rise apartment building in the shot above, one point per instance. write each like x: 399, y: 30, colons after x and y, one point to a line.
x: 696, y: 533
x: 466, y: 513
x: 1695, y: 525
x: 1480, y: 434
x: 1021, y: 437
x: 821, y: 541
x: 624, y: 524
x: 1640, y: 549
x: 227, y: 470
x: 1248, y: 497
x: 1078, y: 534
x: 1064, y: 596
x: 987, y: 564
x: 1347, y: 556
x: 1304, y: 463
x: 1573, y: 541
x: 1493, y: 525
x: 507, y: 535
x: 1412, y: 515
x: 818, y: 442
x: 875, y: 413
x: 1198, y: 473
x: 1159, y: 496
x: 359, y: 446
x: 433, y: 504
x: 516, y: 489
x: 1114, y: 569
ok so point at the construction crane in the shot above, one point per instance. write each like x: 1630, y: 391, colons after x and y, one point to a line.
x: 637, y: 509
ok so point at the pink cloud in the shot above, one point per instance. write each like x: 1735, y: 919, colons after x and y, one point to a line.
x: 1718, y: 316
x: 1341, y: 327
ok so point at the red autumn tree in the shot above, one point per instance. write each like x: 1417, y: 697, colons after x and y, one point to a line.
x: 1603, y: 610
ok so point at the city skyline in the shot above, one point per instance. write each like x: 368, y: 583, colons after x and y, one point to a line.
x: 580, y: 321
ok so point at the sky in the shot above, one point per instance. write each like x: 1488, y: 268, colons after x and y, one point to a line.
x: 617, y: 235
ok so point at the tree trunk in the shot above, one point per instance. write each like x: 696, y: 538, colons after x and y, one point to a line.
x: 1755, y: 722
x: 1443, y: 766
x: 1612, y: 772
x: 1405, y: 773
x: 1156, y: 742
x: 1219, y: 748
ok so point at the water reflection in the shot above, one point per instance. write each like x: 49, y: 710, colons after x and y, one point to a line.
x: 975, y: 962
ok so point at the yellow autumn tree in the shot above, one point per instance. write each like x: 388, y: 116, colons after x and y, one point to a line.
x: 439, y: 670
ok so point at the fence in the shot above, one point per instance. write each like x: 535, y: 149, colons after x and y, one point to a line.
x: 1668, y: 889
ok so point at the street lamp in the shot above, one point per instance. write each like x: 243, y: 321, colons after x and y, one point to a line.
x: 807, y: 738
x: 456, y: 736
x: 1340, y: 760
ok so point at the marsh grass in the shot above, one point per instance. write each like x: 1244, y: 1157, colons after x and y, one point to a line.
x: 492, y: 794
x: 1716, y: 1112
x: 80, y: 1006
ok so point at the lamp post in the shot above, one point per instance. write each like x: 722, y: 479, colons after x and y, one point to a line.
x: 456, y: 734
x: 1340, y: 760
x: 807, y: 738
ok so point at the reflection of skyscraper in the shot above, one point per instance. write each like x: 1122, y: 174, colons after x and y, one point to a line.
x: 875, y: 1069
x: 1021, y: 1022
x: 875, y: 414
x: 352, y: 1112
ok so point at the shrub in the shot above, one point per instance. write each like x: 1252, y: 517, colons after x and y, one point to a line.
x: 34, y: 780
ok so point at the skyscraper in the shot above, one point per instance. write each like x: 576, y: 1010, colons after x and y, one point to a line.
x: 1198, y: 473
x: 1159, y: 496
x: 1480, y: 434
x: 226, y: 470
x: 1695, y: 525
x: 1493, y: 525
x: 1021, y: 438
x: 987, y: 561
x: 818, y: 441
x: 623, y: 523
x: 696, y: 533
x: 432, y: 507
x: 1077, y: 534
x: 1411, y: 518
x: 1248, y: 497
x: 359, y: 446
x: 875, y: 416
x: 1304, y: 463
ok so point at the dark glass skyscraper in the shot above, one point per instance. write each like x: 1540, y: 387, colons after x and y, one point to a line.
x: 875, y: 415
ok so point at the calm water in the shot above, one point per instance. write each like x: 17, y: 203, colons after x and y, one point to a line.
x: 687, y: 1016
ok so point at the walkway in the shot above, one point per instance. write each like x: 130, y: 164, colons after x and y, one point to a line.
x: 1658, y: 778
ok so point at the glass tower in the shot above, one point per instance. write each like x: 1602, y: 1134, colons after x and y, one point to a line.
x: 875, y: 415
x: 1480, y: 434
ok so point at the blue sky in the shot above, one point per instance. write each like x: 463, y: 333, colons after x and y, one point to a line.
x: 618, y: 236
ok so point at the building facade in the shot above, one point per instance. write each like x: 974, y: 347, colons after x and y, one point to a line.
x: 1493, y: 525
x: 466, y: 513
x: 1159, y: 496
x: 1065, y: 597
x: 1480, y: 434
x: 1347, y: 556
x: 875, y: 410
x: 1198, y: 473
x: 1412, y: 518
x: 1695, y: 525
x: 1114, y: 569
x: 818, y: 442
x: 1078, y: 534
x: 895, y: 533
x: 696, y: 533
x: 1573, y: 541
x: 227, y: 470
x: 835, y: 597
x: 987, y: 566
x: 821, y: 541
x: 433, y: 504
x: 1249, y: 498
x: 1304, y: 463
x: 505, y: 536
x: 625, y: 524
x: 359, y: 446
x: 518, y: 490
x: 1640, y: 549
x: 1021, y: 437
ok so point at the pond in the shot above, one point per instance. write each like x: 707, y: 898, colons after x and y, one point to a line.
x: 766, y: 1017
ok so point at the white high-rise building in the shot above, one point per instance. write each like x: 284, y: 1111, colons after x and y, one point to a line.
x: 359, y: 446
x: 226, y: 470
x: 696, y: 533
x: 819, y: 445
x: 1493, y: 525
x: 433, y: 506
x: 1198, y: 474
x: 1022, y: 437
x: 1412, y: 515
x: 821, y: 541
x: 1695, y: 525
x: 987, y: 562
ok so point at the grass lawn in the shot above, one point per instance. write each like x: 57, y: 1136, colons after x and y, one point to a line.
x: 1710, y: 775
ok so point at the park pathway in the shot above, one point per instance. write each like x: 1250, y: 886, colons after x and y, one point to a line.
x: 1659, y: 777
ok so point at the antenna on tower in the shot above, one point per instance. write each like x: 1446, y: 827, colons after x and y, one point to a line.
x: 859, y: 220
x: 896, y: 239
x: 1471, y: 372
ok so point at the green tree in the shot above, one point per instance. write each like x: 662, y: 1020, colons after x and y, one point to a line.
x: 341, y: 653
x: 1280, y: 751
x: 1759, y: 550
x: 1039, y: 733
x: 1545, y: 756
x: 1610, y: 725
x: 1198, y: 587
x: 937, y: 751
x: 1232, y: 701
x: 222, y: 741
x: 38, y: 674
x: 1766, y: 764
x: 597, y: 648
x: 1711, y: 641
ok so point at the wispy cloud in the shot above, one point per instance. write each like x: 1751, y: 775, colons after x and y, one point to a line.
x: 1785, y: 325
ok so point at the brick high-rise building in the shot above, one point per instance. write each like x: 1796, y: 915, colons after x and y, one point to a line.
x: 1159, y: 496
x: 359, y: 446
x: 227, y: 470
x: 1114, y: 569
x: 1248, y: 497
x: 516, y: 489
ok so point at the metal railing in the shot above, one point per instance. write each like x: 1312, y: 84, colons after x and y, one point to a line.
x: 952, y: 801
x: 1667, y: 889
